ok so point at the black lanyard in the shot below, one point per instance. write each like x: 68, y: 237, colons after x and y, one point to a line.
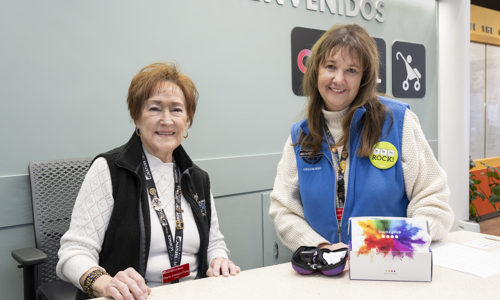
x: 341, y: 164
x: 174, y: 252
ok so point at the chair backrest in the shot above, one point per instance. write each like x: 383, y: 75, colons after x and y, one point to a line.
x: 54, y: 187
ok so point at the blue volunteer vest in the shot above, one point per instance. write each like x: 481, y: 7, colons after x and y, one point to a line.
x: 370, y: 191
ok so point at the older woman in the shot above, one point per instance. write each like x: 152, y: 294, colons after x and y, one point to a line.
x: 144, y: 207
x: 356, y: 153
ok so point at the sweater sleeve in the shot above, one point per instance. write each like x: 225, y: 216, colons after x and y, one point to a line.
x: 425, y: 181
x: 216, y: 245
x: 81, y: 244
x: 286, y: 206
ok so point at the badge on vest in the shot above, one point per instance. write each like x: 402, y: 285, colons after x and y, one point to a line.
x: 384, y: 155
x: 304, y: 154
x: 202, y: 204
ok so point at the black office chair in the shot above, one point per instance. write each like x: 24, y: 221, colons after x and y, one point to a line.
x: 54, y: 187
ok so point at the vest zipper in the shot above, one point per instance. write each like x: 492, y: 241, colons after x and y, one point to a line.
x: 335, y: 202
x: 343, y: 209
x: 340, y: 237
x: 339, y: 226
x: 345, y: 200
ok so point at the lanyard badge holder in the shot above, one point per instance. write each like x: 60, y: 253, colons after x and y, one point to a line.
x: 306, y: 260
x: 174, y: 245
x: 341, y: 162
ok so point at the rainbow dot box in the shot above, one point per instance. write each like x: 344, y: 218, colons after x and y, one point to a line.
x: 384, y: 248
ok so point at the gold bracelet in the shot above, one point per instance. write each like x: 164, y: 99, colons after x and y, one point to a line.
x: 90, y: 279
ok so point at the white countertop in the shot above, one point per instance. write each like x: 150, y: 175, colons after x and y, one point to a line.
x: 282, y: 282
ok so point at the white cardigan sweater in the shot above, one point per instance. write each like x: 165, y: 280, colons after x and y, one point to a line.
x: 81, y: 244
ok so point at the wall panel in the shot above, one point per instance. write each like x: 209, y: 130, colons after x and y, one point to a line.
x: 11, y: 277
x: 240, y: 220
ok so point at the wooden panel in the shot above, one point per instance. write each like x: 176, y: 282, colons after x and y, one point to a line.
x: 482, y: 18
x: 492, y: 162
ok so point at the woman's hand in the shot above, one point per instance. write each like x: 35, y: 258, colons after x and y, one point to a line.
x: 126, y: 285
x: 224, y: 266
x: 332, y: 247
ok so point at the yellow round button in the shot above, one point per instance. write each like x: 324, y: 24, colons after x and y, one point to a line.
x: 384, y: 155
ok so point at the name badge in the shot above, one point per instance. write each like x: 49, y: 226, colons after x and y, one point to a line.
x: 384, y: 155
x: 307, y: 153
x: 175, y: 273
x: 304, y: 154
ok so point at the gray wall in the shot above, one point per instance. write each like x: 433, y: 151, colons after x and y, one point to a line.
x: 65, y: 68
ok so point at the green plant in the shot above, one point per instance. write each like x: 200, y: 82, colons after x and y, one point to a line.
x: 476, y: 191
x: 473, y: 193
x: 493, y: 173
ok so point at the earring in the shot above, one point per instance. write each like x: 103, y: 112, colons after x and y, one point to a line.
x: 187, y: 134
x: 137, y: 131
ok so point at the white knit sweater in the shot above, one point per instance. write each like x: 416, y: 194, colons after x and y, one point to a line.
x: 81, y: 244
x: 425, y: 185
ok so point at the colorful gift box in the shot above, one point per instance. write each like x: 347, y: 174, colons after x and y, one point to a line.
x: 385, y: 248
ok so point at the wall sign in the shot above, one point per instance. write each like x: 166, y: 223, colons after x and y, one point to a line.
x: 382, y: 81
x: 408, y: 70
x: 302, y: 41
x: 369, y: 9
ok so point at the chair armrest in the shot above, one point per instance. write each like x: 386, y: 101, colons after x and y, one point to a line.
x: 29, y: 256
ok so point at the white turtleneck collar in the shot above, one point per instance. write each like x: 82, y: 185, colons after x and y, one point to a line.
x: 334, y: 118
x: 155, y: 162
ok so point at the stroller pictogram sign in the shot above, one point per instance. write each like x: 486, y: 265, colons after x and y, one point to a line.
x: 408, y: 70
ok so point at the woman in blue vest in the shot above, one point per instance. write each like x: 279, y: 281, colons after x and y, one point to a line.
x: 145, y: 214
x: 355, y: 153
